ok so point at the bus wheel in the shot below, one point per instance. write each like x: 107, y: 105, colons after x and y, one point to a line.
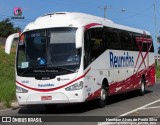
x: 142, y: 88
x: 103, y: 97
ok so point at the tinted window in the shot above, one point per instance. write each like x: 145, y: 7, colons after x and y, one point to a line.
x: 47, y: 49
x: 152, y: 47
x: 87, y: 48
x: 62, y: 50
x: 135, y: 44
x: 126, y: 40
x: 93, y: 44
x: 35, y: 45
x: 97, y: 43
x: 111, y: 38
x: 144, y: 46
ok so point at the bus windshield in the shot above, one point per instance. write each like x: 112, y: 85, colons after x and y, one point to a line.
x: 48, y: 51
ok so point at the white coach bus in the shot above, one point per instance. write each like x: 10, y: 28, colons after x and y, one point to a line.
x: 69, y: 57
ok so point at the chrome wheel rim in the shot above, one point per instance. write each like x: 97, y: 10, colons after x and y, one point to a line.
x: 103, y: 94
x: 142, y: 87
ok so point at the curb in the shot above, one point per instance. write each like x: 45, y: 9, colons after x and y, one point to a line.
x: 14, y: 105
x: 158, y: 81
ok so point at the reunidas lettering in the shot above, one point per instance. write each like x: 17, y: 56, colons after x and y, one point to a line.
x: 121, y: 61
x: 45, y: 85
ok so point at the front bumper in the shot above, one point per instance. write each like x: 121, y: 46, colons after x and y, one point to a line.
x: 54, y: 98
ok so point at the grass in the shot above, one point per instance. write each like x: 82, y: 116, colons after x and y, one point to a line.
x: 7, y: 76
x: 158, y: 72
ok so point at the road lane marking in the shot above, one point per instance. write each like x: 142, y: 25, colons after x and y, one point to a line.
x: 144, y: 106
x: 127, y: 113
x: 155, y: 107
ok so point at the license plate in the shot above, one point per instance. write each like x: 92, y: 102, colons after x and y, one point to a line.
x: 43, y: 98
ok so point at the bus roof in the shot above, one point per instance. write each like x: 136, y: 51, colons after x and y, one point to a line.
x: 74, y: 19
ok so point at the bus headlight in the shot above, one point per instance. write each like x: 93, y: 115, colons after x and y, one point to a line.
x: 21, y: 90
x: 75, y: 86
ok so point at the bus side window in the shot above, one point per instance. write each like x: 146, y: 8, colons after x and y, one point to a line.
x: 21, y: 55
x: 126, y: 40
x: 152, y: 48
x: 147, y: 45
x: 97, y: 43
x: 135, y: 44
x: 111, y: 38
x: 94, y: 45
x: 87, y: 48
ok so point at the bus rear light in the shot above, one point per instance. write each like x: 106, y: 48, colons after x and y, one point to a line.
x: 21, y: 90
x: 75, y: 86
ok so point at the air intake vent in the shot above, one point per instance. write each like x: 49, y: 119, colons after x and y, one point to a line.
x: 48, y: 14
x: 57, y: 13
x: 60, y: 13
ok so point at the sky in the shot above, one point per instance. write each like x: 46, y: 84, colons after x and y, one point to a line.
x: 133, y: 13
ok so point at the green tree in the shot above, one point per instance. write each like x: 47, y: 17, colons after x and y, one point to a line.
x: 7, y: 28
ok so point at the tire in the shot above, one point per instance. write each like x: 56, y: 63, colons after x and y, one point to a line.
x: 103, y: 97
x: 142, y: 87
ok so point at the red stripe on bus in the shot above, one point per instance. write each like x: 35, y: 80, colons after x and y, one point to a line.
x: 53, y: 89
x: 91, y: 25
x: 131, y: 83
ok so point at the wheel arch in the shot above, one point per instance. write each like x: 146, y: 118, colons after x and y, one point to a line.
x: 105, y: 83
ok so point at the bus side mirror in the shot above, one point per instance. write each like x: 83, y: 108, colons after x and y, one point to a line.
x: 9, y: 42
x: 79, y: 37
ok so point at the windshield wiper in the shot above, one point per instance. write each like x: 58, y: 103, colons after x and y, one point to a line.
x: 57, y: 67
x: 34, y: 64
x: 26, y: 70
x: 70, y: 70
x: 31, y: 67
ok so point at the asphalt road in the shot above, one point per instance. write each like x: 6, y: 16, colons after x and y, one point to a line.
x: 128, y: 104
